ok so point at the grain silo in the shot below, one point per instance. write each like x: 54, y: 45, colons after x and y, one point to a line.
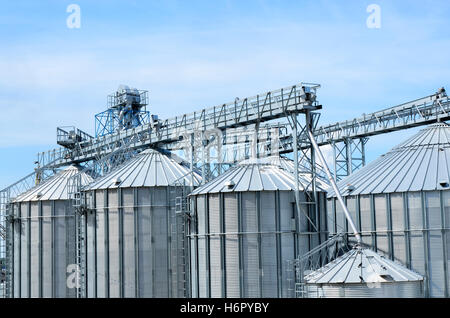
x: 43, y: 243
x: 401, y: 204
x: 135, y: 237
x: 362, y: 273
x: 244, y: 228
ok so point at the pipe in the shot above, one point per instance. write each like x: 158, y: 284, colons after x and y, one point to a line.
x: 333, y: 184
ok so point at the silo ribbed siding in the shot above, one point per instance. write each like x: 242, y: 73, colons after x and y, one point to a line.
x: 362, y: 273
x: 402, y: 206
x: 135, y: 240
x: 43, y: 239
x: 241, y: 240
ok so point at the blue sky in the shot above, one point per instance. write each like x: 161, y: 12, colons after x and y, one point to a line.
x: 195, y: 54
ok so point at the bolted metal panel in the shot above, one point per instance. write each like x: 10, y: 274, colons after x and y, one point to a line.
x: 436, y: 261
x: 43, y: 237
x: 17, y: 233
x: 160, y: 240
x: 331, y: 217
x: 150, y: 168
x: 145, y: 256
x: 250, y: 255
x: 363, y: 273
x: 34, y: 250
x: 202, y: 250
x: 254, y: 206
x: 231, y: 245
x: 215, y: 249
x: 25, y: 249
x: 91, y: 252
x: 418, y: 164
x: 133, y: 240
x: 287, y: 218
x: 47, y: 249
x: 129, y: 253
x: 54, y: 188
x: 113, y: 244
x: 398, y: 290
x: 381, y: 224
x: 100, y: 270
x: 268, y: 246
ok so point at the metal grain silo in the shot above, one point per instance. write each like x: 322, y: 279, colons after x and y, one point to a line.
x: 134, y: 236
x: 43, y: 243
x: 244, y: 229
x: 401, y: 204
x: 362, y: 273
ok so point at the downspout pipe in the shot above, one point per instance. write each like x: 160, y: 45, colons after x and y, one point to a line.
x: 335, y: 188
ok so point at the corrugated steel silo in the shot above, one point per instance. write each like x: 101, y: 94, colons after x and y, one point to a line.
x: 135, y: 239
x: 362, y: 273
x: 401, y: 205
x: 43, y: 238
x: 244, y: 230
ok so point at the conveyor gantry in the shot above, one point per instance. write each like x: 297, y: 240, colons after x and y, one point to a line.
x: 257, y: 109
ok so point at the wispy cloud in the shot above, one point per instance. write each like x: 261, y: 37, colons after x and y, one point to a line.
x: 194, y: 56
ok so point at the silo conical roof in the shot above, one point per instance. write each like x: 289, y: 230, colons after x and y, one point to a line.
x: 421, y: 163
x: 55, y: 187
x: 150, y: 168
x: 361, y: 265
x: 256, y: 175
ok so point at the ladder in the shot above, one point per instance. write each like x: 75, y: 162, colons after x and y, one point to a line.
x: 313, y: 260
x: 80, y: 206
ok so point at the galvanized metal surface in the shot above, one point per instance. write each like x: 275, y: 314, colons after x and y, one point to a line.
x: 256, y: 175
x: 406, y: 216
x: 135, y: 235
x: 246, y: 235
x: 54, y: 188
x: 421, y: 163
x: 385, y: 290
x: 244, y: 242
x: 362, y: 266
x: 150, y: 168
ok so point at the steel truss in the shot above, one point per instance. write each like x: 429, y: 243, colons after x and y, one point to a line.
x: 104, y: 153
x: 349, y: 156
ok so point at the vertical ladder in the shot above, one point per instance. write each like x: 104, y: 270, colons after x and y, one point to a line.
x: 79, y: 209
x: 180, y: 244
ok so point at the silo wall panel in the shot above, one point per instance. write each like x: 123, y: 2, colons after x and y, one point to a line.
x: 17, y: 229
x: 268, y: 245
x: 114, y: 244
x: 250, y: 246
x: 99, y: 270
x: 160, y: 236
x: 25, y: 249
x: 446, y: 212
x: 129, y: 252
x: 145, y: 256
x: 384, y: 290
x: 331, y: 219
x: 232, y: 266
x: 34, y: 250
x: 203, y: 268
x: 399, y: 228
x: 47, y: 249
x: 411, y: 228
x: 132, y: 238
x: 287, y: 237
x: 381, y: 223
x: 215, y: 246
x: 365, y: 203
x: 91, y: 243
